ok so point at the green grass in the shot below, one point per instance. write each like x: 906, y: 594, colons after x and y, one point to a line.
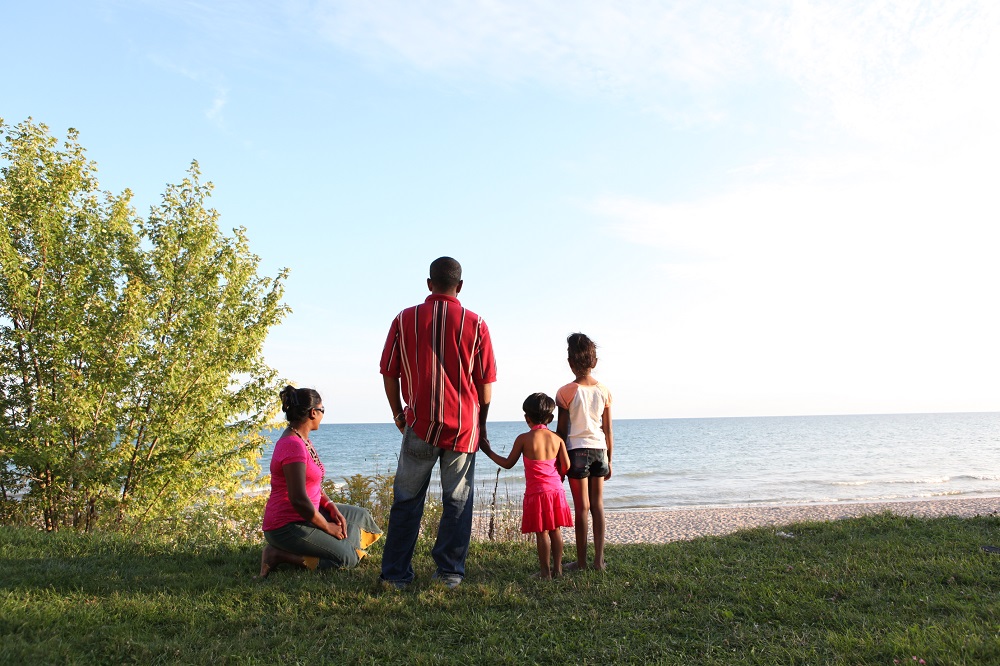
x: 862, y: 591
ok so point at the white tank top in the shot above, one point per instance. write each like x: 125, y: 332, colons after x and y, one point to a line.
x: 585, y: 405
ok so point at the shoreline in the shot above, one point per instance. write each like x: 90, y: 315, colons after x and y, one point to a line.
x: 666, y: 525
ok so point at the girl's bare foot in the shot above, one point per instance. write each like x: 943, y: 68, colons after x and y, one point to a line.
x: 573, y: 566
x: 599, y: 566
x: 542, y: 575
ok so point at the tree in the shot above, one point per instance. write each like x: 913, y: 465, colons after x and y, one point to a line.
x: 131, y: 367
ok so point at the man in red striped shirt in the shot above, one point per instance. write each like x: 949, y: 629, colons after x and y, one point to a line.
x: 438, y: 359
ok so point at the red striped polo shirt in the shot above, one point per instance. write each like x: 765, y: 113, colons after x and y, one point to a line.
x: 440, y: 352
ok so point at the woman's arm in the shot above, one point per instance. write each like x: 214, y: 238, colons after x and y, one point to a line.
x: 609, y: 438
x: 295, y: 479
x: 511, y: 458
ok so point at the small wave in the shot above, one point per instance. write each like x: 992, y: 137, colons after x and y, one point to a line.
x: 640, y: 474
x: 903, y: 497
x: 888, y: 482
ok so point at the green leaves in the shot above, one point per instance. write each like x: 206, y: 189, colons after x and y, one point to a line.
x: 130, y: 349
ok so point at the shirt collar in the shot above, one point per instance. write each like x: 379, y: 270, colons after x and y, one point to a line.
x: 441, y: 297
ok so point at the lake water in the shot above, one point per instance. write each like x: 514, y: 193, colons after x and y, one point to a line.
x: 684, y: 463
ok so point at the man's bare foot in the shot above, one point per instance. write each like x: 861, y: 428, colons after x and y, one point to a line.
x: 573, y: 566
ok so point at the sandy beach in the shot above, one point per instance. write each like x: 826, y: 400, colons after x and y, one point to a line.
x: 679, y: 524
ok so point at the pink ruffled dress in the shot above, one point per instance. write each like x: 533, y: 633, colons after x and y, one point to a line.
x: 545, y: 506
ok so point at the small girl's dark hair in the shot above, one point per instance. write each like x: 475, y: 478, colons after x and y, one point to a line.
x: 582, y: 352
x: 296, y: 403
x: 539, y: 407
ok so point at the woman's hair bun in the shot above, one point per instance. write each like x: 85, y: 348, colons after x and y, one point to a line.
x: 288, y: 398
x: 297, y: 403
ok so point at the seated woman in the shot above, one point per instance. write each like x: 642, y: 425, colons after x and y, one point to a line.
x: 302, y: 526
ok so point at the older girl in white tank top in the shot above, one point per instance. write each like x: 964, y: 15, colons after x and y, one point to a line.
x: 585, y: 425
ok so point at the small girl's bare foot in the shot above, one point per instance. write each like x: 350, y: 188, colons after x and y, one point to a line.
x: 599, y: 566
x: 542, y: 575
x: 573, y: 566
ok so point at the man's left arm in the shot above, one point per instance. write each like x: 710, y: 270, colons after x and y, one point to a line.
x: 392, y: 394
x: 389, y: 367
x: 484, y: 375
x: 485, y: 395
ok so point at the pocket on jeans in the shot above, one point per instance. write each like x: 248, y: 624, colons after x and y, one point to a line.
x: 418, y: 448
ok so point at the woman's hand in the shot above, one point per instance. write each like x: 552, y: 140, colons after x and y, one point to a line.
x: 336, y: 530
x: 338, y: 520
x: 335, y: 523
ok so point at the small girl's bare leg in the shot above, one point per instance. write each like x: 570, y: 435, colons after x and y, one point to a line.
x: 544, y: 553
x: 555, y: 538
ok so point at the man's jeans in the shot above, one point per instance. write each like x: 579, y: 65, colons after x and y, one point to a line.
x: 413, y: 475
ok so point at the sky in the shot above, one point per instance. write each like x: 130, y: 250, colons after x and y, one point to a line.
x: 774, y: 207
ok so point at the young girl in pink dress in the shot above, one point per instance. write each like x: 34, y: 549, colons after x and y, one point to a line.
x: 545, y: 464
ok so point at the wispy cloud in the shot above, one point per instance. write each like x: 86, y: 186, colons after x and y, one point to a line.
x: 865, y: 287
x: 855, y: 209
x: 881, y: 69
x: 215, y: 112
x: 883, y: 254
x: 890, y: 71
x: 639, y: 47
x: 908, y: 88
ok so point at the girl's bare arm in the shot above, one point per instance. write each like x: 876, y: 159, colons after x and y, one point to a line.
x: 511, y: 458
x: 563, y: 459
x: 562, y: 425
x: 609, y: 437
